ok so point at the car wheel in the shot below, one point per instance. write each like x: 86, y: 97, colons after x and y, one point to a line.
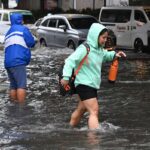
x: 138, y: 46
x: 43, y: 43
x: 71, y: 45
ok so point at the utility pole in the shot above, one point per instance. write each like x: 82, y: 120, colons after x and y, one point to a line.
x: 93, y: 4
x: 104, y: 2
x: 5, y: 3
x: 74, y: 4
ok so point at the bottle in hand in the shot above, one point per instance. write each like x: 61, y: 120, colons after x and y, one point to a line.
x: 113, y: 71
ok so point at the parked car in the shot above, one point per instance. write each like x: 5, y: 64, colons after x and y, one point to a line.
x: 35, y: 26
x: 131, y: 26
x: 28, y: 20
x: 64, y: 30
x: 28, y: 17
x: 3, y: 30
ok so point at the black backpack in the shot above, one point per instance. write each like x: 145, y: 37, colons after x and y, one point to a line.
x: 70, y: 88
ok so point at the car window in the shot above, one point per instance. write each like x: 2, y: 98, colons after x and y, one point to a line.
x: 27, y: 17
x: 5, y: 17
x: 82, y: 23
x: 38, y: 22
x: 115, y: 16
x: 52, y: 23
x: 61, y: 22
x: 147, y: 13
x: 45, y: 23
x: 139, y: 16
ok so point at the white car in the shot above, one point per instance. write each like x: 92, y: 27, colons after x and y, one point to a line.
x: 3, y: 30
x: 28, y: 17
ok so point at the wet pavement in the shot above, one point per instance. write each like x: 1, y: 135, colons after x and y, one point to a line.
x: 42, y: 122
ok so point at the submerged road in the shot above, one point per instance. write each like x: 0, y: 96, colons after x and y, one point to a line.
x: 42, y: 122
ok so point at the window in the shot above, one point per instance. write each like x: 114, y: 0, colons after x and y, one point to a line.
x: 61, y: 22
x: 45, y: 23
x: 115, y: 16
x: 52, y: 23
x: 5, y: 17
x: 82, y: 23
x: 139, y: 16
x: 28, y: 18
x: 147, y: 13
x: 38, y: 22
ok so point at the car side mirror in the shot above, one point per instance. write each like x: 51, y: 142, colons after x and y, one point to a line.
x: 63, y: 27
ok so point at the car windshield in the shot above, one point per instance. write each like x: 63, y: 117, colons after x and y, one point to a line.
x: 81, y: 23
x: 148, y: 13
x: 113, y: 16
x: 27, y: 17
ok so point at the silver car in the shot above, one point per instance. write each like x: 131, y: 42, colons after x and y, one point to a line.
x: 64, y: 30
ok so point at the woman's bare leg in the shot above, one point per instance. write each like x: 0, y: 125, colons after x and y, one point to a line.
x: 77, y: 114
x: 92, y: 106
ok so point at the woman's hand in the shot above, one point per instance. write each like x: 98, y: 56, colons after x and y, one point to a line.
x: 64, y: 82
x: 120, y: 54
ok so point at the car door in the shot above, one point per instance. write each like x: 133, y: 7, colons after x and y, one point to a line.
x: 50, y: 35
x: 61, y: 34
x: 139, y: 26
x: 123, y: 28
x: 46, y: 31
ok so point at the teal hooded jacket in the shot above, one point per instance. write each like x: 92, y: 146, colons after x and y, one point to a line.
x: 90, y: 72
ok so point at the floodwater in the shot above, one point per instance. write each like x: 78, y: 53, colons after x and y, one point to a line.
x: 42, y: 122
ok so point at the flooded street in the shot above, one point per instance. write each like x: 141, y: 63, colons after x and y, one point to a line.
x: 42, y: 122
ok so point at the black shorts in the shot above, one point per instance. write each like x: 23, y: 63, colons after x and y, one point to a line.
x: 86, y: 92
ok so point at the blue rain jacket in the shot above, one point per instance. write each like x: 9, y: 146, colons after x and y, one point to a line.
x: 18, y: 40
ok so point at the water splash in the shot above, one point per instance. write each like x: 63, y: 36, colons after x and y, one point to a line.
x: 104, y: 127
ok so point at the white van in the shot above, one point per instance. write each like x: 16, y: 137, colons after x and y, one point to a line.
x: 5, y: 16
x: 130, y: 24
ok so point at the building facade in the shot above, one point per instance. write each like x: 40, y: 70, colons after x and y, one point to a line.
x: 81, y: 4
x: 71, y: 4
x: 63, y: 4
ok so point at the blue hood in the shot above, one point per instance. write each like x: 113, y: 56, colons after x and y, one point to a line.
x: 16, y: 18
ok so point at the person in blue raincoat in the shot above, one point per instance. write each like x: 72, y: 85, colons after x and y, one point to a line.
x: 18, y: 41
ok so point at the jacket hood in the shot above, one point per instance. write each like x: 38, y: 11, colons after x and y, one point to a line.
x: 93, y: 34
x: 16, y: 18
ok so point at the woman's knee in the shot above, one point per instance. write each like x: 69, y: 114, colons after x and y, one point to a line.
x: 94, y: 111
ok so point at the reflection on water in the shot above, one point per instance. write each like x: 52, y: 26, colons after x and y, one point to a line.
x: 42, y: 122
x: 141, y: 69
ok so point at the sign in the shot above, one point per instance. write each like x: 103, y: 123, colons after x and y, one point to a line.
x: 12, y: 3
